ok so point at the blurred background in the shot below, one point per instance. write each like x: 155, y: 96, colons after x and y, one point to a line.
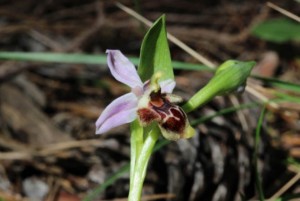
x: 48, y: 147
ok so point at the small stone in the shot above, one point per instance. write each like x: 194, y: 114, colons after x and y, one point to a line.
x: 35, y: 189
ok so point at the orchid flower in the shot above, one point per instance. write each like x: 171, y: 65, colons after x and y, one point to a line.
x: 151, y: 101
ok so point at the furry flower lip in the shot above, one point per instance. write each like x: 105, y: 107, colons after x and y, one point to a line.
x: 149, y: 102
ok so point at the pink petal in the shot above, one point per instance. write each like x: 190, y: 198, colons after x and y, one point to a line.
x: 167, y: 86
x: 122, y: 69
x: 121, y: 111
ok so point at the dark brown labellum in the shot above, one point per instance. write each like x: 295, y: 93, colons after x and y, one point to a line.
x: 169, y: 116
x: 146, y: 116
x: 175, y: 120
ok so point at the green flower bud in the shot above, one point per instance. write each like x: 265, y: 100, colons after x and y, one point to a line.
x: 231, y: 76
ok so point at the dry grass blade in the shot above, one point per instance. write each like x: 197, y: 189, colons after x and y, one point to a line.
x: 284, y: 188
x: 284, y: 12
x: 240, y: 114
x: 15, y: 156
x: 172, y: 38
x: 251, y: 88
x: 55, y: 148
x: 45, y: 40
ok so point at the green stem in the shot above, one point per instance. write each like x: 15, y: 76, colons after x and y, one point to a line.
x: 136, y: 144
x: 138, y: 177
x: 207, y: 93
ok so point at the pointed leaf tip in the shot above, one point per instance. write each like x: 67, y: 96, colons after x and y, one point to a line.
x: 155, y: 54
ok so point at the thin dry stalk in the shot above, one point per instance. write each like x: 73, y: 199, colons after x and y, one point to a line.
x: 172, y: 38
x: 54, y: 148
x: 284, y: 12
x: 284, y: 188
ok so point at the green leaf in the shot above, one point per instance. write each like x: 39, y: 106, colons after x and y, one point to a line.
x: 155, y: 54
x: 277, y: 30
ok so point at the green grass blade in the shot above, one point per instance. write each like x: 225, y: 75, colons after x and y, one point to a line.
x: 160, y: 144
x: 83, y: 59
x: 54, y: 57
x: 286, y: 97
x: 98, y: 190
x: 100, y: 59
x: 255, y: 156
x: 223, y: 112
x: 279, y: 83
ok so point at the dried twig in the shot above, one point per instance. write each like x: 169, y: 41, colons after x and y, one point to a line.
x: 284, y: 188
x: 172, y: 38
x: 55, y: 148
x: 284, y: 12
x: 86, y: 34
x: 45, y: 40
